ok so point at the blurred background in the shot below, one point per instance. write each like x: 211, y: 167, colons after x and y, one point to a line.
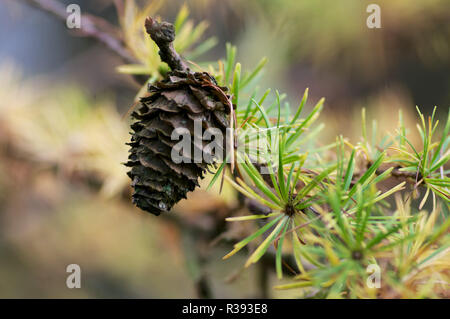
x: 64, y: 195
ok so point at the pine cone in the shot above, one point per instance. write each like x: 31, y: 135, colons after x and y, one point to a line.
x: 175, y: 102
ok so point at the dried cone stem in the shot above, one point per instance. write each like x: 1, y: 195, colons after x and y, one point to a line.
x: 175, y: 102
x: 164, y: 34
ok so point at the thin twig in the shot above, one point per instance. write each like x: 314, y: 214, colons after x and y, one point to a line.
x: 90, y: 26
x: 163, y: 33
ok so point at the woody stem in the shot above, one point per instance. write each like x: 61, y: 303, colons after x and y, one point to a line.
x: 164, y: 34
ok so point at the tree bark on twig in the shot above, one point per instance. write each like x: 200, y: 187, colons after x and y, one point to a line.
x: 163, y: 33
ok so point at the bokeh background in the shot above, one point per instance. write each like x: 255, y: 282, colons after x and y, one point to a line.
x: 64, y: 195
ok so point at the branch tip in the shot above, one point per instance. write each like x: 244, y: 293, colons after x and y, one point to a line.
x: 163, y: 33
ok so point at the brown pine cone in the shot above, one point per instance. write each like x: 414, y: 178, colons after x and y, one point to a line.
x: 175, y: 102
